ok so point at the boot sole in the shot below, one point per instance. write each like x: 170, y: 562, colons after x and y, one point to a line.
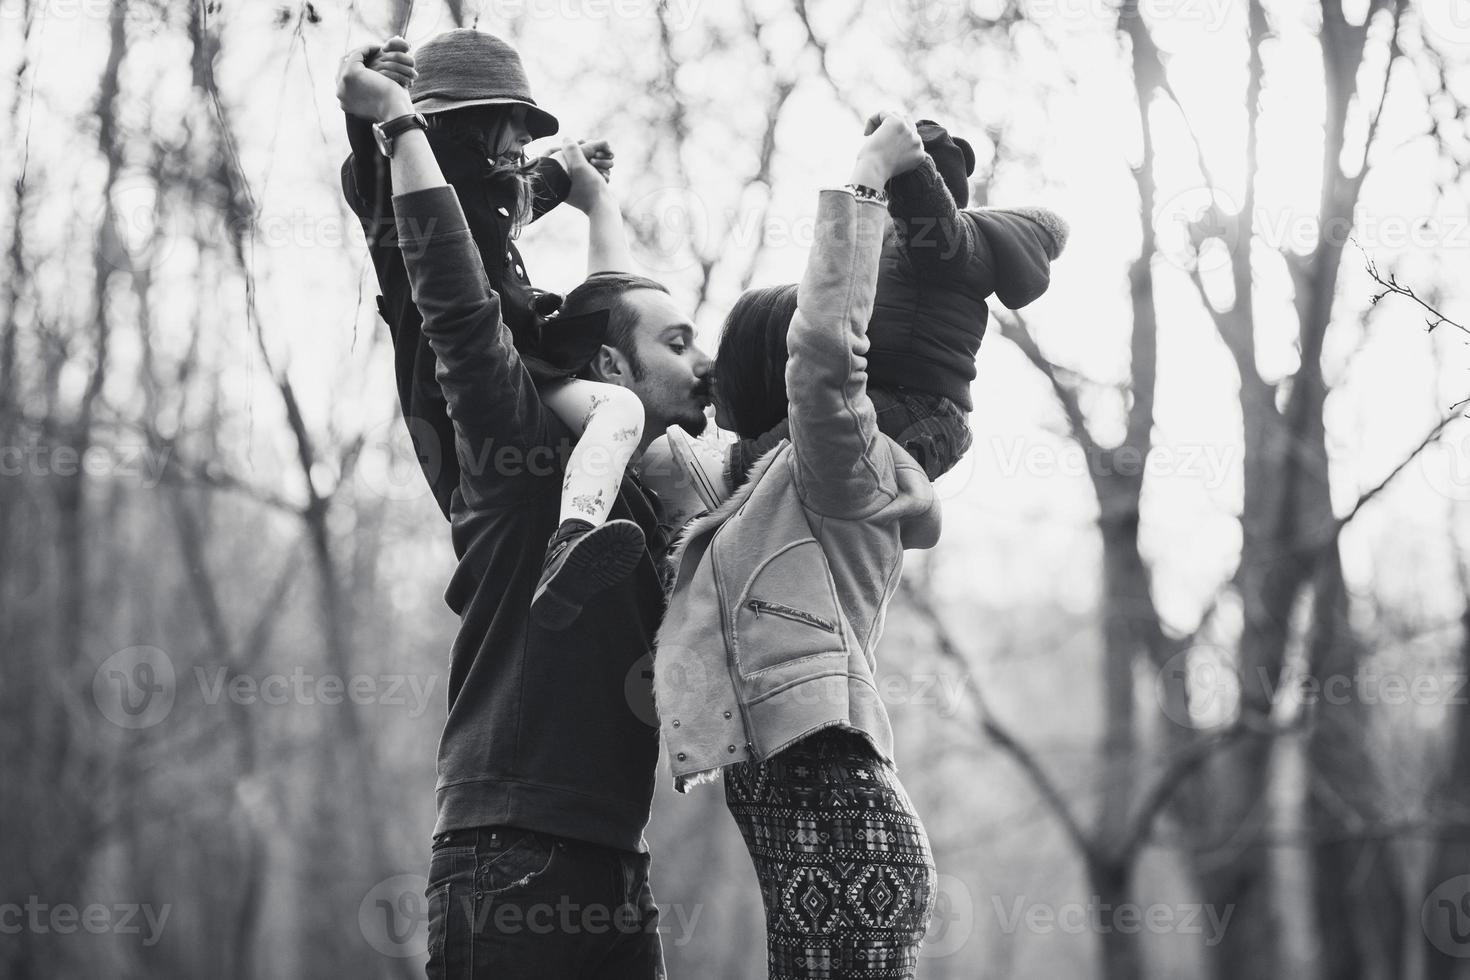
x: 603, y: 558
x: 708, y: 487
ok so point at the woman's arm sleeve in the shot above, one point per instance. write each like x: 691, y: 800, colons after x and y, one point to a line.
x: 843, y: 464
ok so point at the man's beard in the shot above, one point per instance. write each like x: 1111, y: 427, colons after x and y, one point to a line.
x: 697, y: 420
x: 694, y: 424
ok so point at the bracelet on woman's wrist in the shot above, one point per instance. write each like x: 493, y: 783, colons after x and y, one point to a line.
x: 865, y: 193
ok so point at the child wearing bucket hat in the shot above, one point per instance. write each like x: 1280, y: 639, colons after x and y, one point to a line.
x: 472, y: 92
x: 940, y: 261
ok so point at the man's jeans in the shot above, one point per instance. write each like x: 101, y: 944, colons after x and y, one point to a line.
x: 507, y: 903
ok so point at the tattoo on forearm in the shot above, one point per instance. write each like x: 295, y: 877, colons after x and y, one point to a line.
x: 588, y: 503
x: 623, y: 435
x: 596, y: 402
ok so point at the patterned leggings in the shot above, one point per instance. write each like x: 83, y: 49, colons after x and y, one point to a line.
x: 842, y: 859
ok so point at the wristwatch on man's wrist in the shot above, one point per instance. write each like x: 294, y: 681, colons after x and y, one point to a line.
x: 386, y: 132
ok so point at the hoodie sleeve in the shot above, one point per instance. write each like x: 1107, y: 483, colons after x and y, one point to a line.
x: 1016, y: 246
x: 365, y: 176
x: 500, y: 425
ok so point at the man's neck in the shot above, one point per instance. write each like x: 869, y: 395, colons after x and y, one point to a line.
x: 650, y: 433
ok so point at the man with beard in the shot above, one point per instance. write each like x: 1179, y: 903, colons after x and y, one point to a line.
x: 546, y: 771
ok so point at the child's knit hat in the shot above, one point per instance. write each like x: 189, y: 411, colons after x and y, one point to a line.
x: 953, y: 156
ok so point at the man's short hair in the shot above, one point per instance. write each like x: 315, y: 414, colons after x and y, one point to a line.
x: 604, y: 291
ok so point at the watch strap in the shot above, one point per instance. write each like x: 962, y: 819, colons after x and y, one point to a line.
x: 390, y: 130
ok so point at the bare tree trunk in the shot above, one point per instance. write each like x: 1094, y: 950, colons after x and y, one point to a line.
x: 10, y: 487
x: 1357, y: 889
x: 67, y: 772
x: 1446, y: 918
x: 16, y: 703
x: 248, y: 873
x: 1112, y: 885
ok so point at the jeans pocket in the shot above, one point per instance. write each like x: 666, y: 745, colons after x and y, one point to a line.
x: 524, y: 857
x: 448, y: 862
x: 452, y: 912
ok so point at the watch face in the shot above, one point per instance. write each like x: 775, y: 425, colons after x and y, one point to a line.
x: 385, y: 142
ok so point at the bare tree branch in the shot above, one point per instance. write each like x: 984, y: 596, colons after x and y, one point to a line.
x: 1014, y: 328
x: 1392, y: 287
x: 820, y: 47
x: 993, y: 729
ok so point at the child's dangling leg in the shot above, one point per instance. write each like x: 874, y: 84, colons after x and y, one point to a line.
x: 588, y: 553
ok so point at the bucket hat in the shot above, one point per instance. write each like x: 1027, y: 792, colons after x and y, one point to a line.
x: 466, y: 67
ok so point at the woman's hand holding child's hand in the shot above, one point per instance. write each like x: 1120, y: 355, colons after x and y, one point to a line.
x: 892, y: 147
x: 597, y: 152
x: 589, y: 180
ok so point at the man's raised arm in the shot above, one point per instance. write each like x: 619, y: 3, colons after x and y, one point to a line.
x: 498, y: 417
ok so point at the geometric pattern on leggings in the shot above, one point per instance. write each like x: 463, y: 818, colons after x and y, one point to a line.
x: 844, y: 866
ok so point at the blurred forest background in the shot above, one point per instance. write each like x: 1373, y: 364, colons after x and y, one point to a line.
x: 1180, y: 694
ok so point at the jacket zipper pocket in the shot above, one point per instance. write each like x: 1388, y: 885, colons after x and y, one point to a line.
x: 759, y: 606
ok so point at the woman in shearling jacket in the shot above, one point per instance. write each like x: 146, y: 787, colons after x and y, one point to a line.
x: 765, y: 667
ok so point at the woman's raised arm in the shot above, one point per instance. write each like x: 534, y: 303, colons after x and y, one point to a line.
x: 841, y: 464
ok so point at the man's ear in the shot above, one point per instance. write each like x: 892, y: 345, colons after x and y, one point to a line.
x: 611, y: 367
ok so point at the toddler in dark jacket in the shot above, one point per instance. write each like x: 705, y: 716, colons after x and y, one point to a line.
x: 940, y: 262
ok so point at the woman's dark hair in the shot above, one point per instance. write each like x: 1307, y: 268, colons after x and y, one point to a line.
x: 479, y: 128
x: 750, y: 367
